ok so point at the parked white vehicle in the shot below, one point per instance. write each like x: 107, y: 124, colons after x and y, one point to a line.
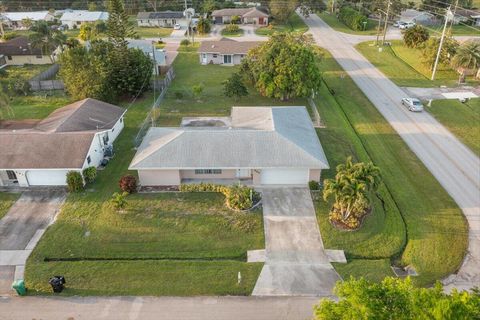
x: 177, y: 27
x: 413, y: 104
x: 407, y: 25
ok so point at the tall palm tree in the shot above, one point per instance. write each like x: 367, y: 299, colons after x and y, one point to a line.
x: 45, y: 38
x: 467, y: 58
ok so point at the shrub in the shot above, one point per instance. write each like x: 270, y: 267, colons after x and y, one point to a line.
x: 232, y: 28
x: 178, y: 95
x: 185, y: 42
x: 416, y: 36
x: 128, y: 183
x: 89, y: 174
x: 9, y: 36
x: 352, y: 18
x: 235, y: 20
x: 74, y: 181
x: 197, y: 90
x: 119, y: 200
x: 236, y: 197
x: 314, y: 185
x: 204, y: 26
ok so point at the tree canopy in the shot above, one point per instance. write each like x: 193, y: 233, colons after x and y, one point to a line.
x: 430, y: 51
x: 234, y: 87
x: 397, y: 299
x: 416, y: 36
x: 285, y: 67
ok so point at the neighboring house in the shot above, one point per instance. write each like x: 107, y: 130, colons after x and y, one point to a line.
x: 257, y: 146
x: 75, y: 18
x: 418, y: 17
x: 225, y: 51
x: 466, y: 16
x: 165, y: 19
x: 19, y: 51
x: 157, y: 55
x: 253, y: 15
x: 74, y: 137
x: 14, y: 20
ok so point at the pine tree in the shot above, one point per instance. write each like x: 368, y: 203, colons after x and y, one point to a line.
x: 119, y: 28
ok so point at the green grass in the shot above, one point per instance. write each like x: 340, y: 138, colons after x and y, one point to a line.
x: 294, y: 24
x: 24, y: 73
x: 405, y: 68
x: 462, y: 119
x: 334, y: 23
x: 150, y: 32
x: 190, y: 72
x: 457, y: 30
x: 237, y: 33
x: 435, y: 227
x: 373, y: 270
x: 36, y: 107
x: 156, y: 227
x: 6, y: 201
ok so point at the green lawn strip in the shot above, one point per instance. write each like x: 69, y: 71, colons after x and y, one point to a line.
x: 462, y: 119
x: 436, y: 228
x: 456, y: 30
x: 334, y: 23
x: 404, y: 66
x: 373, y: 270
x: 145, y: 278
x: 294, y: 24
x: 212, y: 102
x: 238, y: 33
x: 7, y: 199
x: 36, y: 106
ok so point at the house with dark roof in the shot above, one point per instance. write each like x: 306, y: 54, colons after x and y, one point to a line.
x: 253, y: 15
x: 72, y: 138
x: 255, y: 146
x: 19, y: 51
x: 165, y: 19
x: 467, y: 16
x: 225, y: 51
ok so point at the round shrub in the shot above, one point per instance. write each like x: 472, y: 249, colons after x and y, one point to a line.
x: 74, y: 181
x: 185, y: 42
x: 128, y: 183
x: 314, y: 185
x: 232, y: 28
x: 89, y: 174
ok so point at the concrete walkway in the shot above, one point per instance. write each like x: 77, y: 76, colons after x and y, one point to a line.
x: 455, y: 166
x: 296, y: 263
x: 21, y: 229
x: 442, y: 93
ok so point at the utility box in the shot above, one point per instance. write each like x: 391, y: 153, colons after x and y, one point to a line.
x: 19, y: 287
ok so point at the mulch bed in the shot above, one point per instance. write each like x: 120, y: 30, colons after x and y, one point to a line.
x: 343, y: 227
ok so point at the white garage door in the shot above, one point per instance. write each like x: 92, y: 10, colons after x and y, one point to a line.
x: 47, y: 177
x: 284, y: 176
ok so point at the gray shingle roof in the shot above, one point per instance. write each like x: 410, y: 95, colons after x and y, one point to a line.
x: 20, y: 46
x: 260, y: 137
x: 228, y: 46
x: 160, y: 15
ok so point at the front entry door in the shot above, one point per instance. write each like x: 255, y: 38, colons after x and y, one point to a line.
x: 204, y: 58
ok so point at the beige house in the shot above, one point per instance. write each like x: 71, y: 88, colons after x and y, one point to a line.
x: 165, y: 19
x: 253, y: 15
x: 255, y: 146
x: 225, y: 51
x: 19, y: 51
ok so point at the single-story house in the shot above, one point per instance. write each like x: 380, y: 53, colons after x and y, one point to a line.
x: 225, y: 51
x: 72, y: 138
x: 158, y: 56
x: 14, y: 20
x: 19, y: 51
x: 256, y: 146
x: 418, y: 17
x: 75, y: 18
x: 253, y: 15
x: 467, y: 16
x: 165, y: 19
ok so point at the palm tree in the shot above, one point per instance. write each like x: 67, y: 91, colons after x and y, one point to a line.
x: 467, y: 58
x: 45, y: 38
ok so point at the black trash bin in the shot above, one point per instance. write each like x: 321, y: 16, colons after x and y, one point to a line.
x: 57, y: 283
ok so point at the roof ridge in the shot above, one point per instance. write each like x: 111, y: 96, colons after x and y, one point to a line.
x: 70, y: 115
x: 165, y: 144
x: 311, y: 156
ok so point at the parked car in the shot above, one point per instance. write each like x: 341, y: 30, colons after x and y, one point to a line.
x: 413, y: 104
x: 177, y: 27
x: 407, y: 25
x: 398, y: 23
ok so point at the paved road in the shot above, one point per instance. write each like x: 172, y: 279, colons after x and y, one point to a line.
x: 455, y: 166
x: 296, y: 263
x: 151, y: 308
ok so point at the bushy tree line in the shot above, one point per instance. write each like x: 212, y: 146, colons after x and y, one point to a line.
x: 108, y: 69
x: 352, y: 18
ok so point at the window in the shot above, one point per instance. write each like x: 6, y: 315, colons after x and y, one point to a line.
x: 9, y: 57
x: 227, y: 59
x: 105, y: 139
x: 89, y: 159
x: 215, y: 55
x: 208, y: 171
x: 39, y: 56
x: 121, y: 119
x: 11, y: 175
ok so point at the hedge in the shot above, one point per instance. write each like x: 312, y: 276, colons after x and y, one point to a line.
x: 352, y: 18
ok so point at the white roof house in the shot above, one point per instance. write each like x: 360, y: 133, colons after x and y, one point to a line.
x: 77, y: 17
x: 262, y: 145
x: 419, y: 17
x: 14, y: 19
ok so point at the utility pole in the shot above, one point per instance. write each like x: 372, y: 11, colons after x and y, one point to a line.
x: 453, y: 16
x: 187, y: 14
x: 378, y: 27
x: 386, y: 22
x: 441, y: 43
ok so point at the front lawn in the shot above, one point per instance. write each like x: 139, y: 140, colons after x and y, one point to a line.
x: 24, y: 73
x: 462, y: 119
x: 405, y: 68
x: 36, y: 106
x: 416, y: 206
x: 149, y: 32
x: 334, y: 23
x: 163, y: 244
x: 294, y: 24
x: 7, y: 199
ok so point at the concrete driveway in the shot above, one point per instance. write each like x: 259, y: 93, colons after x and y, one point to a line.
x: 21, y: 229
x: 296, y: 263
